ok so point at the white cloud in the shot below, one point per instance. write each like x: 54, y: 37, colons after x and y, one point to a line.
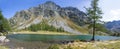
x: 115, y: 12
x: 112, y: 15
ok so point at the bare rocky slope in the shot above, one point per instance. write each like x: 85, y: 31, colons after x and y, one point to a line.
x: 69, y: 18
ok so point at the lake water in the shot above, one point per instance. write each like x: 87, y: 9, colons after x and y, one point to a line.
x: 46, y: 37
x: 43, y: 41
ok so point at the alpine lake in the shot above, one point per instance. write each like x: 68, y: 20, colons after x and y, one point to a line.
x: 43, y: 41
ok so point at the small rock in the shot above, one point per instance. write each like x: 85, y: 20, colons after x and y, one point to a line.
x: 2, y: 38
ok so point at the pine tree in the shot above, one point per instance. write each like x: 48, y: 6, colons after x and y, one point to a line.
x: 4, y: 24
x: 1, y: 22
x: 94, y: 12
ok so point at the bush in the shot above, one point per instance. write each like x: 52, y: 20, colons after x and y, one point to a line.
x: 54, y: 47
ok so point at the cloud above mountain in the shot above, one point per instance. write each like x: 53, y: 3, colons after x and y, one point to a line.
x: 115, y: 14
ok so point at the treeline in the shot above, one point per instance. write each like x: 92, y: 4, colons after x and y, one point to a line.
x: 115, y: 34
x: 4, y: 24
x: 44, y: 27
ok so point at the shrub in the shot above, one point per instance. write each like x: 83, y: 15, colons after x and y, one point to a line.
x: 54, y: 47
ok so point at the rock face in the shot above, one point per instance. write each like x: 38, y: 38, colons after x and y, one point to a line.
x: 113, y: 26
x: 53, y: 14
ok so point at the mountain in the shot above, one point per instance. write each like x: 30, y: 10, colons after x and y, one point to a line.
x: 69, y: 18
x: 113, y: 26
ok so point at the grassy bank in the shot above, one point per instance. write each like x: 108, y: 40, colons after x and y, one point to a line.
x: 89, y: 45
x: 3, y: 47
x: 42, y: 32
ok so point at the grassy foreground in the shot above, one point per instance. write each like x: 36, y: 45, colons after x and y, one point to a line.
x: 3, y: 47
x: 89, y: 45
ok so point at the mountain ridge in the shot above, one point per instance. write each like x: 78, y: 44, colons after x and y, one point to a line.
x: 53, y: 14
x: 113, y: 26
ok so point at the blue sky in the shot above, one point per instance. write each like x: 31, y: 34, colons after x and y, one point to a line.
x: 10, y: 7
x: 110, y: 8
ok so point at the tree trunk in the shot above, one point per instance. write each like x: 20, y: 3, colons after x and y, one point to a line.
x: 93, y: 37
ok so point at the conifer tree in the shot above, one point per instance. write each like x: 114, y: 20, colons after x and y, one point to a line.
x: 94, y: 12
x: 4, y: 24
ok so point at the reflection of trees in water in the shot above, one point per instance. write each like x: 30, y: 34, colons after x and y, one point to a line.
x: 16, y: 44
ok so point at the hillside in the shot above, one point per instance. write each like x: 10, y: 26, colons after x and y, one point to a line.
x: 69, y: 19
x: 114, y: 27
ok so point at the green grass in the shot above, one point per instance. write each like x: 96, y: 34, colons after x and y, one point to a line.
x: 90, y: 45
x: 3, y: 47
x: 43, y: 32
x: 76, y: 27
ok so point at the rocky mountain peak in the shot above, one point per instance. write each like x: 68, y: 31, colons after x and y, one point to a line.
x: 49, y: 5
x: 50, y: 2
x: 67, y: 18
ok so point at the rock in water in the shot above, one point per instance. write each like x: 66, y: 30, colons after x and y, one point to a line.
x: 2, y: 38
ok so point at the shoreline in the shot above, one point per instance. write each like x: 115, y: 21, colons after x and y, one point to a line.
x: 76, y: 44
